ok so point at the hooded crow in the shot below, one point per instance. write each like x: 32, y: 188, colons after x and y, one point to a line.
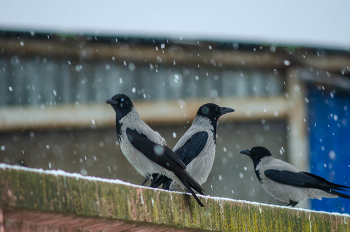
x: 286, y: 183
x: 196, y: 147
x: 145, y: 149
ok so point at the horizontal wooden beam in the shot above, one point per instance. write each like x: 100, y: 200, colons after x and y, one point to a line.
x: 39, y: 200
x: 328, y: 63
x: 21, y: 220
x: 154, y: 112
x: 173, y: 53
x: 324, y: 78
x: 170, y: 54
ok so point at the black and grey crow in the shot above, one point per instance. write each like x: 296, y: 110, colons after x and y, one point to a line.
x: 286, y: 183
x: 145, y: 149
x: 196, y: 147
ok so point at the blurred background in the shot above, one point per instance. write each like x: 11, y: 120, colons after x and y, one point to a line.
x: 284, y: 68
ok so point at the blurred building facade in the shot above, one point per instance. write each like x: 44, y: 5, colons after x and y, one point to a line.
x: 53, y: 115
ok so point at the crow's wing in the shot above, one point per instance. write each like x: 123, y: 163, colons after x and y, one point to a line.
x: 160, y: 154
x: 301, y: 179
x: 332, y: 185
x: 192, y: 147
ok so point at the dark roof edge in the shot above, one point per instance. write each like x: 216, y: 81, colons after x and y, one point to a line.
x: 227, y: 44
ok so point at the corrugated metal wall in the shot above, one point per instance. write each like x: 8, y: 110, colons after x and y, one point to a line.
x: 329, y: 119
x: 37, y: 80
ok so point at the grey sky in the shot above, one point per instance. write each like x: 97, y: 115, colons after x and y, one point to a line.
x: 299, y: 22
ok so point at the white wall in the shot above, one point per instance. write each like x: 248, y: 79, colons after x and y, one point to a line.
x: 300, y: 22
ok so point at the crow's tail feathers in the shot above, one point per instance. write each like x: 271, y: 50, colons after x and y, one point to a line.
x: 337, y: 193
x: 145, y: 181
x: 189, y: 189
x: 167, y: 183
x: 194, y: 184
x: 161, y: 179
x: 189, y: 179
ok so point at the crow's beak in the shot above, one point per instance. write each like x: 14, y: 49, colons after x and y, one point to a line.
x: 225, y: 110
x: 111, y: 102
x: 246, y: 152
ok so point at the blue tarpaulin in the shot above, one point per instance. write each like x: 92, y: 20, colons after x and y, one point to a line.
x: 329, y: 131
